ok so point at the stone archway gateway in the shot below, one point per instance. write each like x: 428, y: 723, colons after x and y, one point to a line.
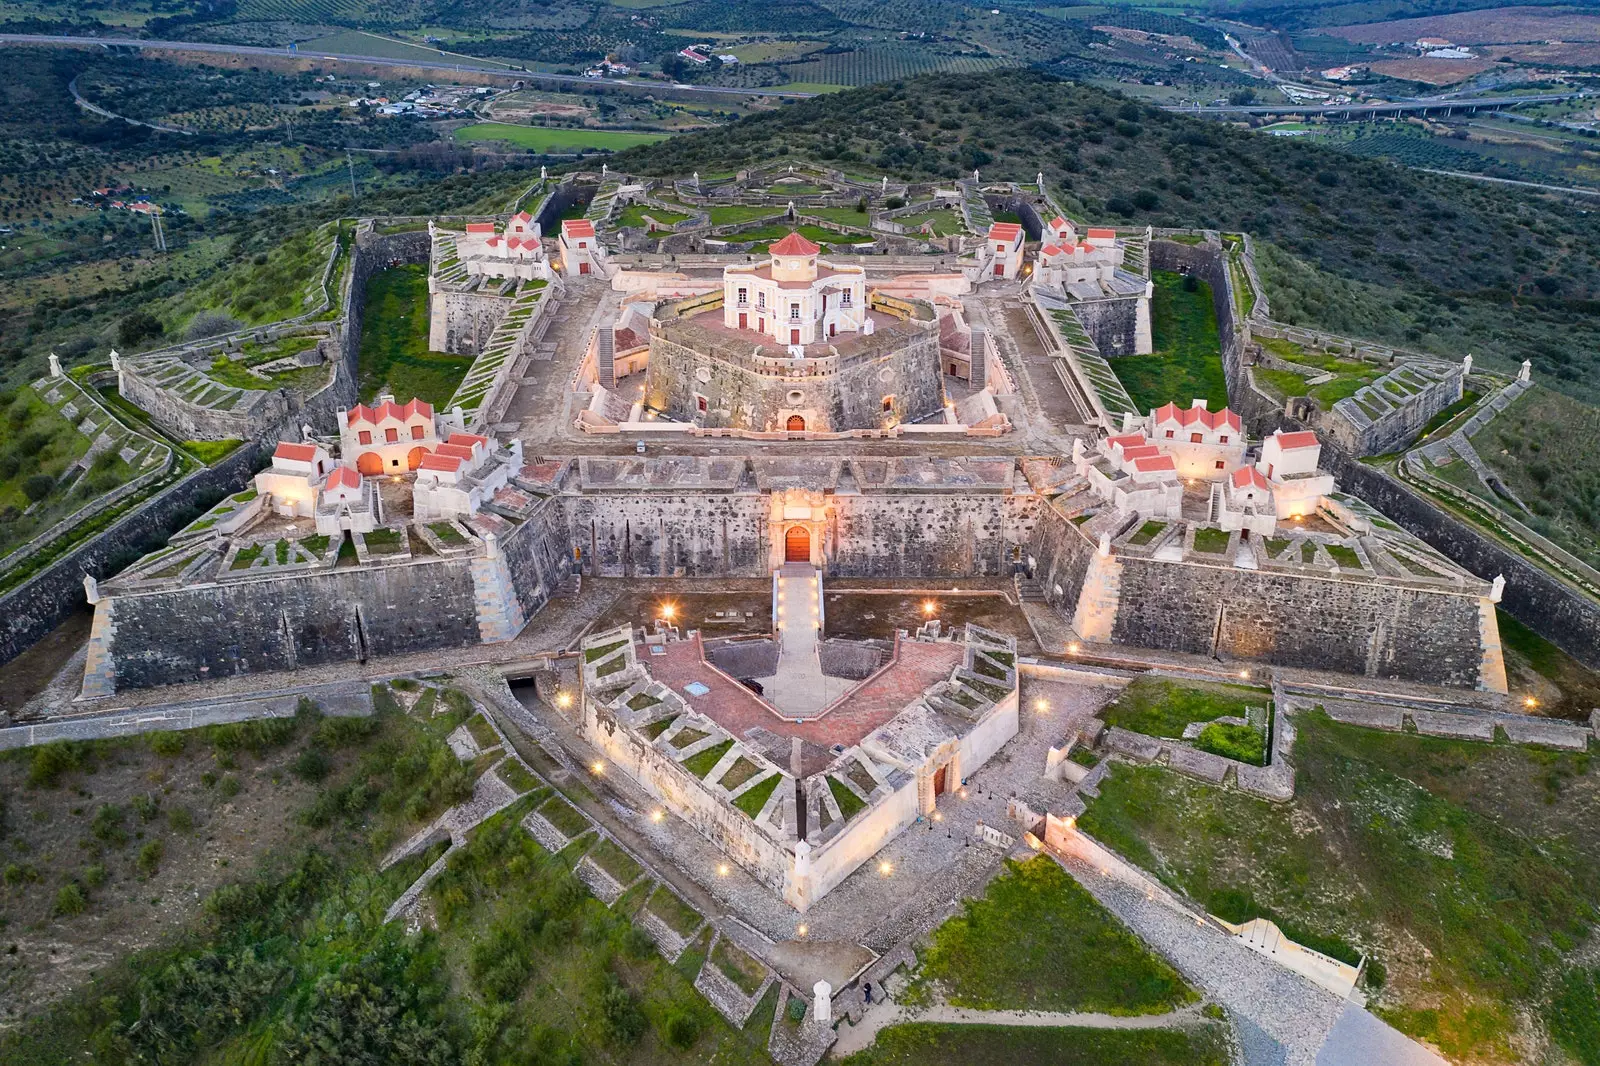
x: 797, y: 545
x: 370, y: 464
x: 796, y: 424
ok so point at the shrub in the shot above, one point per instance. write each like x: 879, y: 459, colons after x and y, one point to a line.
x: 52, y: 760
x: 181, y: 819
x: 107, y: 825
x: 682, y: 1030
x: 210, y: 324
x: 146, y: 807
x: 620, y: 1015
x: 168, y: 744
x: 20, y: 873
x: 70, y: 901
x: 149, y: 860
x: 95, y: 876
x: 796, y: 1009
x: 312, y: 764
x: 230, y: 786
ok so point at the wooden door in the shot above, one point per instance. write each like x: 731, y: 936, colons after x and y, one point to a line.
x: 939, y: 780
x: 744, y: 320
x: 797, y: 545
x: 796, y: 424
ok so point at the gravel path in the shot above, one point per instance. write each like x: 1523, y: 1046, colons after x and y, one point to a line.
x: 853, y: 1038
x: 1289, y: 1017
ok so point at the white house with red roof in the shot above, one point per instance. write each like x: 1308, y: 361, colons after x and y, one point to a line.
x: 512, y: 251
x: 1004, y: 243
x: 580, y: 248
x: 1132, y: 473
x: 461, y: 474
x: 1289, y: 461
x: 794, y: 297
x: 1206, y: 445
x: 348, y: 502
x: 1087, y: 267
x: 290, y: 483
x: 388, y: 437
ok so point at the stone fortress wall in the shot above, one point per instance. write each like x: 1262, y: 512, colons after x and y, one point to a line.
x: 1324, y: 622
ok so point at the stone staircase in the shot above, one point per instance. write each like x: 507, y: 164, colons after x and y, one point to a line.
x: 521, y: 327
x: 1028, y: 589
x: 975, y: 207
x: 1137, y: 257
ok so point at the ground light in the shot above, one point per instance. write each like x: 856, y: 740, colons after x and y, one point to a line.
x: 1072, y: 649
x: 885, y: 869
x: 563, y: 699
x: 669, y: 611
x: 1041, y: 705
x: 928, y: 607
x: 656, y: 815
x: 722, y: 870
x: 1530, y: 702
x: 598, y: 767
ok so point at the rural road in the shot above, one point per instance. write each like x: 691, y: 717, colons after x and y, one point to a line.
x: 380, y: 61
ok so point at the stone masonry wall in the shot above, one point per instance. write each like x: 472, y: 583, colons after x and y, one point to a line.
x: 1058, y: 557
x: 933, y: 535
x: 1555, y: 611
x: 245, y: 627
x: 849, y: 399
x: 37, y: 606
x: 1297, y: 620
x: 1113, y: 324
x: 539, y: 555
x: 678, y: 535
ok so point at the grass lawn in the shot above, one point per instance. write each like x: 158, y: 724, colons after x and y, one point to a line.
x: 1556, y: 474
x: 1187, y: 363
x: 623, y: 868
x: 678, y: 915
x: 561, y: 814
x: 918, y: 1043
x: 633, y: 215
x: 738, y: 967
x: 701, y: 762
x: 946, y: 223
x: 752, y: 799
x: 559, y: 141
x: 482, y: 732
x: 1470, y: 872
x: 1161, y: 706
x: 1038, y: 941
x: 733, y: 213
x: 394, y: 341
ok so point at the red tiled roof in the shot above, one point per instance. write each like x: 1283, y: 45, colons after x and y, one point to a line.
x: 413, y: 408
x: 794, y: 244
x: 300, y: 453
x: 467, y: 439
x: 1302, y: 439
x: 1059, y: 223
x: 522, y: 216
x: 1129, y: 440
x: 1190, y: 415
x: 435, y: 461
x: 480, y: 227
x: 1154, y: 463
x: 1102, y: 233
x: 577, y: 227
x: 1004, y: 231
x: 344, y: 477
x: 1142, y: 451
x: 456, y: 451
x: 1248, y: 477
x: 1051, y: 249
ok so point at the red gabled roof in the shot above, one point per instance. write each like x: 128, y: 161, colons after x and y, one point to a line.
x: 300, y: 453
x: 435, y: 461
x: 1191, y: 415
x: 1248, y: 477
x: 480, y: 227
x: 1101, y: 232
x: 577, y: 227
x: 1154, y: 463
x: 1128, y: 440
x: 456, y: 451
x: 1050, y: 249
x: 467, y: 439
x: 1301, y: 439
x: 1059, y: 223
x: 1004, y: 231
x: 794, y: 244
x: 387, y: 409
x: 1143, y: 451
x: 344, y: 477
x: 522, y: 216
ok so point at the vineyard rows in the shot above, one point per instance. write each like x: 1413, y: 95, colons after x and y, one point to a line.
x: 885, y: 63
x: 363, y: 12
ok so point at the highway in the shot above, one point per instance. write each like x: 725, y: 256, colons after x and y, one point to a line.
x: 1394, y: 107
x: 382, y: 61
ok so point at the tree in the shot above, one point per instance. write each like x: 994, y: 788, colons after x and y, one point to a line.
x: 1242, y: 97
x: 138, y: 327
x: 38, y: 487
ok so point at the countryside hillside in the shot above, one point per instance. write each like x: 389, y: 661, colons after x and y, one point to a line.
x: 1354, y: 245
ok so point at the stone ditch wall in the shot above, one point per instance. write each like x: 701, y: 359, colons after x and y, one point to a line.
x: 1112, y: 324
x: 34, y: 608
x: 282, y: 623
x: 462, y: 322
x: 934, y: 535
x: 1058, y: 558
x: 677, y: 535
x: 538, y: 555
x: 1556, y: 611
x: 1352, y: 627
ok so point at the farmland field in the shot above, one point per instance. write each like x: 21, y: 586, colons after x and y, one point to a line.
x: 354, y: 42
x: 1431, y: 71
x: 313, y: 12
x: 560, y: 141
x: 1495, y: 26
x: 885, y: 62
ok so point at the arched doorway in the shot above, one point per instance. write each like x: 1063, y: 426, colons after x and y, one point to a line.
x: 797, y: 545
x: 797, y: 424
x: 414, y: 458
x: 370, y: 464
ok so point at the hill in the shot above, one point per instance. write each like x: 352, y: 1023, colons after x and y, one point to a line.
x: 1359, y: 245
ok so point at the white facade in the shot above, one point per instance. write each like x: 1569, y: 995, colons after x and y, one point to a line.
x: 580, y: 248
x: 793, y: 297
x: 292, y: 479
x: 1005, y: 242
x: 1204, y: 444
x: 514, y: 252
x: 387, y: 438
x: 460, y: 475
